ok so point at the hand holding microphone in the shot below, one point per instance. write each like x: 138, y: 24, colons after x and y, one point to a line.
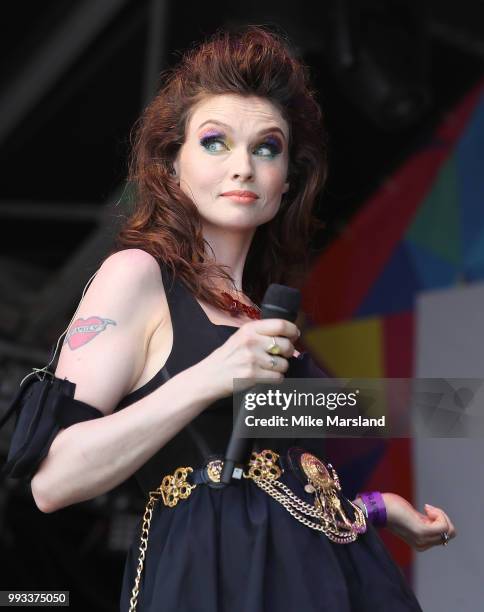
x: 245, y: 354
x: 281, y: 303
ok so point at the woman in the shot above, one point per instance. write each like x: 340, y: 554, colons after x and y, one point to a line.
x: 228, y: 160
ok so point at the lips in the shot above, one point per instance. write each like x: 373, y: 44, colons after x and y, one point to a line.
x: 238, y: 192
x: 241, y: 196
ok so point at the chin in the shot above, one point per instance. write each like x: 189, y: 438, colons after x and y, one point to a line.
x: 239, y: 227
x: 241, y: 223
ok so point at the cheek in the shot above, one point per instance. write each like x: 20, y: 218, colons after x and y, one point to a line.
x: 274, y: 179
x: 209, y: 167
x: 206, y: 178
x: 200, y: 173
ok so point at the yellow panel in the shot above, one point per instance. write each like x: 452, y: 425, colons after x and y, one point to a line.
x: 351, y: 349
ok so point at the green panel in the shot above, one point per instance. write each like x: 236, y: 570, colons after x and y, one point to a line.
x: 436, y: 225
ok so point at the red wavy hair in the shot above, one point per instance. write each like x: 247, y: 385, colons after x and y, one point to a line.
x: 249, y: 61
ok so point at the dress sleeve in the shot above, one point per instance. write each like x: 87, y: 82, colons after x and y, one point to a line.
x: 42, y: 408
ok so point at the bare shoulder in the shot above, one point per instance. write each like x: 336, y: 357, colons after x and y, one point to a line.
x: 133, y: 265
x: 135, y: 274
x: 106, y: 347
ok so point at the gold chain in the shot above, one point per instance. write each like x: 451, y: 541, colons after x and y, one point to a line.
x: 173, y: 487
x: 265, y: 473
x: 297, y: 508
x: 154, y: 495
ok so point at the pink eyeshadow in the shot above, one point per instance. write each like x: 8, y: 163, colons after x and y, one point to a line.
x: 211, y: 133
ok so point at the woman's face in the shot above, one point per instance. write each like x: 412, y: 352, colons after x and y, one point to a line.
x: 234, y: 143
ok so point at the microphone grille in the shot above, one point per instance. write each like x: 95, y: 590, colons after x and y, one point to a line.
x: 283, y: 297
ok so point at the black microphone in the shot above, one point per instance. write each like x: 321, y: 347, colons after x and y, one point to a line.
x: 279, y: 302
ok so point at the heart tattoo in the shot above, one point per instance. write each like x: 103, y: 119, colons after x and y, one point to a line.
x: 84, y: 330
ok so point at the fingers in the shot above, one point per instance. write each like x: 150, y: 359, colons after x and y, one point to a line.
x: 274, y: 363
x: 284, y: 346
x: 442, y: 519
x: 276, y: 327
x: 257, y: 337
x: 431, y: 534
x: 451, y: 530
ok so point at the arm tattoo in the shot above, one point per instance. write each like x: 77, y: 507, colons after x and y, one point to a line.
x: 84, y: 330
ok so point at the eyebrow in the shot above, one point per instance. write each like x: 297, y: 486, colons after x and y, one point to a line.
x: 259, y: 133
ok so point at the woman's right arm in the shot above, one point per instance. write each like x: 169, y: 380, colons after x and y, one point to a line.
x: 92, y: 457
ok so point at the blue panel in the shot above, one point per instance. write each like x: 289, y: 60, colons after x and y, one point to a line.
x: 431, y: 270
x: 474, y: 263
x: 470, y: 177
x: 395, y: 288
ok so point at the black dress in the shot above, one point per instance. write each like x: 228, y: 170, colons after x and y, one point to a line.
x: 236, y: 549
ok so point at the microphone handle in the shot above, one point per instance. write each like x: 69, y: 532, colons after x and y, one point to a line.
x: 238, y: 447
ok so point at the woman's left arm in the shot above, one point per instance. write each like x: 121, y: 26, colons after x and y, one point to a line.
x: 420, y: 531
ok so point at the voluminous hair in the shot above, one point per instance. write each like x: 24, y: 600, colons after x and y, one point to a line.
x: 164, y: 221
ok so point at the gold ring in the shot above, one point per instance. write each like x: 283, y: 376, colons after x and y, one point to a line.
x: 274, y: 348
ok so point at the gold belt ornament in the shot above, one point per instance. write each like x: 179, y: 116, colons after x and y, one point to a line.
x: 265, y: 473
x: 175, y: 486
x: 327, y: 507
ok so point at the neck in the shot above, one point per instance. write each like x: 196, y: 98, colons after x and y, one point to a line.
x: 230, y: 249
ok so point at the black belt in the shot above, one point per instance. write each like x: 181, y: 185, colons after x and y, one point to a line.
x: 210, y: 473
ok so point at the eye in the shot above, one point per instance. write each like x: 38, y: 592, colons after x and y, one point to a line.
x: 210, y: 143
x: 272, y: 147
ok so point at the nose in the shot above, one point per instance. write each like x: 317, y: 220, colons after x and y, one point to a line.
x: 242, y: 166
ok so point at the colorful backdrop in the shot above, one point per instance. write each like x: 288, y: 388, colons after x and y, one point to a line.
x: 423, y: 230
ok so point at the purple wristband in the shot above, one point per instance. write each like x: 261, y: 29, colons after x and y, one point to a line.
x: 375, y: 505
